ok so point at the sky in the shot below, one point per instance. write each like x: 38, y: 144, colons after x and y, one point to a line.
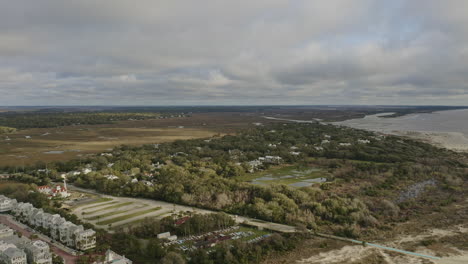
x: 242, y: 52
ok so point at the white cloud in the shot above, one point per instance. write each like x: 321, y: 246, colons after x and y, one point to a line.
x: 259, y: 51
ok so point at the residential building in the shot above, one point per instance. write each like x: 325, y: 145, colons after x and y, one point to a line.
x: 56, y: 191
x: 10, y: 254
x: 85, y: 239
x: 363, y: 141
x: 5, y: 231
x: 6, y: 204
x: 38, y: 252
x: 59, y: 229
x: 273, y: 159
x: 114, y: 258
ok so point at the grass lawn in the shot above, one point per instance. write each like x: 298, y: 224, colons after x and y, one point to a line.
x: 109, y: 207
x: 99, y: 202
x: 256, y: 232
x: 138, y: 221
x: 283, y: 174
x: 125, y: 217
x: 111, y: 213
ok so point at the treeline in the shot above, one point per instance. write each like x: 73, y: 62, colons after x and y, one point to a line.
x: 193, y: 225
x: 235, y: 252
x: 205, y: 172
x: 23, y: 120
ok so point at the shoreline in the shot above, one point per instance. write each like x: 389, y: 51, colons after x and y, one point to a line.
x: 454, y: 141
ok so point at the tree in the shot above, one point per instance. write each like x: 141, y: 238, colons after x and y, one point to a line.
x: 173, y: 258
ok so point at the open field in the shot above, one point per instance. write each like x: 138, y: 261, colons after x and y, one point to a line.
x: 296, y: 176
x: 99, y: 209
x: 143, y: 205
x: 128, y: 216
x: 29, y: 146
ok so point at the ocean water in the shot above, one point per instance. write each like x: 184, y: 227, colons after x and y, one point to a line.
x: 442, y: 121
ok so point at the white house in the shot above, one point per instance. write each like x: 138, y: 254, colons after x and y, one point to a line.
x: 64, y: 231
x: 5, y: 231
x: 363, y: 141
x: 86, y: 170
x: 10, y: 254
x: 38, y: 252
x: 6, y: 204
x: 273, y: 159
x: 114, y: 258
x: 111, y: 177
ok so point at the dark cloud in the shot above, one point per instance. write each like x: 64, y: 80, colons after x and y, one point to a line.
x: 233, y: 52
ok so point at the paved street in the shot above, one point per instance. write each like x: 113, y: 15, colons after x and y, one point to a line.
x: 10, y: 222
x: 169, y: 207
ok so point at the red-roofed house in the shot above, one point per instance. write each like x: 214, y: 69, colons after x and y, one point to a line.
x: 182, y: 220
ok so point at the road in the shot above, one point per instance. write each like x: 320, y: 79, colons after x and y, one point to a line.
x: 10, y: 222
x: 169, y: 207
x: 251, y: 221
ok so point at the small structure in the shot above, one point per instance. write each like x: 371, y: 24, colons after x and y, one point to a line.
x: 363, y: 141
x: 5, y: 231
x: 114, y: 258
x: 163, y: 235
x: 273, y: 159
x: 111, y: 177
x: 6, y: 204
x: 181, y: 220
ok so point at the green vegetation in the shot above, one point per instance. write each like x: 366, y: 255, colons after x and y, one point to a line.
x: 284, y: 175
x: 108, y: 207
x: 6, y: 130
x: 100, y: 202
x: 41, y: 119
x: 194, y: 225
x: 371, y: 186
x: 110, y: 214
x: 128, y: 216
x: 206, y: 173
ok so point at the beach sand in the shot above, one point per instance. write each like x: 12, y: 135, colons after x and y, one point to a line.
x: 451, y: 140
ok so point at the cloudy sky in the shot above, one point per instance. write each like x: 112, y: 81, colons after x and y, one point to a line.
x: 217, y: 52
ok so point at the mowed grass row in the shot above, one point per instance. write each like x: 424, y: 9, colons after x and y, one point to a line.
x: 96, y: 204
x: 111, y: 213
x: 139, y: 221
x: 125, y: 217
x: 109, y: 207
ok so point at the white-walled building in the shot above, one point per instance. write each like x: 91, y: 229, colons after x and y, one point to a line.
x: 6, y: 204
x: 38, y: 252
x: 114, y: 258
x: 61, y: 230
